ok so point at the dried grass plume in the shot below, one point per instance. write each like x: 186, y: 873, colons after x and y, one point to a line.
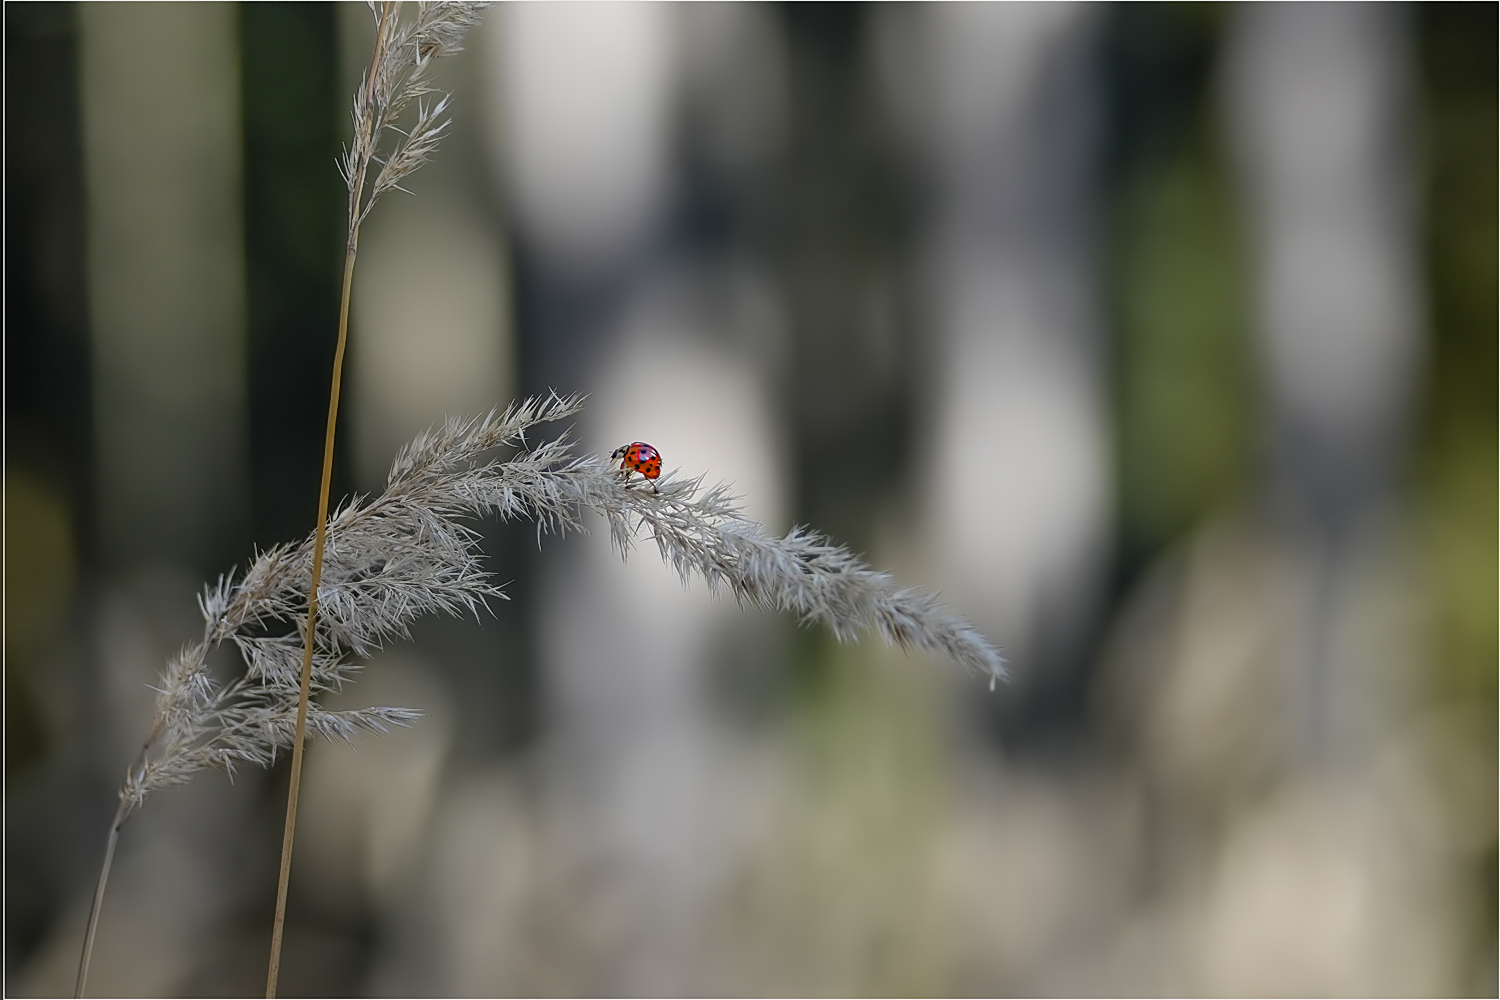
x: 411, y: 552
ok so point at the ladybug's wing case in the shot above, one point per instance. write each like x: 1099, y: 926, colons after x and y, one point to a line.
x: 641, y: 457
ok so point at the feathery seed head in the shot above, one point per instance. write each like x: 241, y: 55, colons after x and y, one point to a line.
x: 409, y: 552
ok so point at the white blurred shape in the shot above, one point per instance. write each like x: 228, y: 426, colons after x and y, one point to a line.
x: 642, y: 776
x: 1014, y: 467
x: 1017, y: 482
x: 1317, y: 101
x: 431, y: 317
x: 986, y: 60
x: 584, y: 100
x: 1318, y: 95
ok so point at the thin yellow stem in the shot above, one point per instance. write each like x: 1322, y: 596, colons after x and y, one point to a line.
x: 307, y: 647
x: 352, y: 245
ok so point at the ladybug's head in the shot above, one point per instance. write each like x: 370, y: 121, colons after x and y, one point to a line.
x: 620, y: 451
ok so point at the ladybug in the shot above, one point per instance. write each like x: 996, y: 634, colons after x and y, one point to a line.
x: 638, y: 456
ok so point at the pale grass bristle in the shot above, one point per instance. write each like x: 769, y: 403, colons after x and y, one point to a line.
x: 406, y: 49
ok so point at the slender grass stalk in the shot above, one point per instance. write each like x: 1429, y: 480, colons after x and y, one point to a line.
x: 93, y: 923
x: 121, y: 815
x: 283, y: 880
x: 351, y: 249
x: 394, y: 77
x: 123, y: 812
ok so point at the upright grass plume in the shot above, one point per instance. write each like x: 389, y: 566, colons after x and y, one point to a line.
x: 405, y: 49
x: 196, y: 724
x: 302, y: 615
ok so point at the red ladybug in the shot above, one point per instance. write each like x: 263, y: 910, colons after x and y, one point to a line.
x: 638, y: 456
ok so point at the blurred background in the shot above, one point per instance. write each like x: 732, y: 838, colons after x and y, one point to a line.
x: 1159, y: 339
